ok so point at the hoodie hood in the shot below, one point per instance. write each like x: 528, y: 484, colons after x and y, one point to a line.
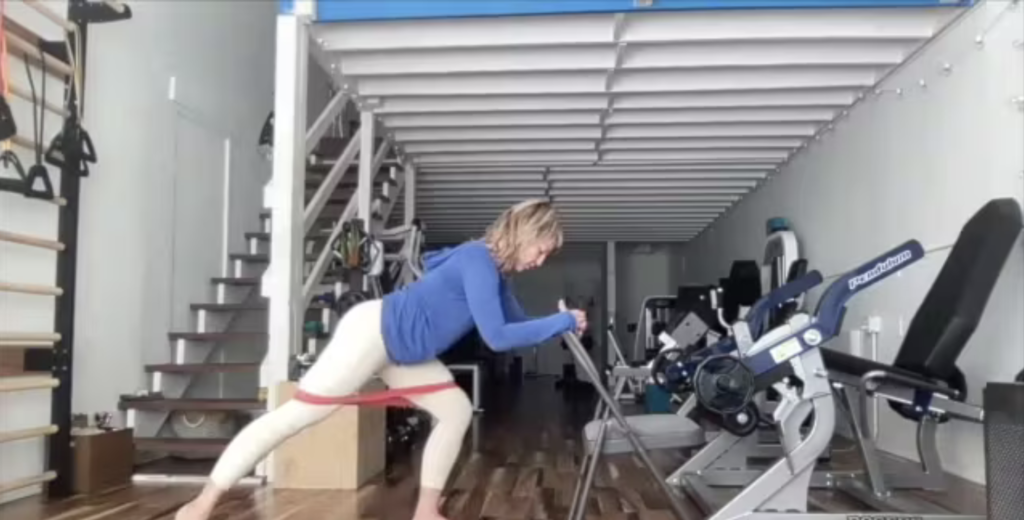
x: 434, y: 259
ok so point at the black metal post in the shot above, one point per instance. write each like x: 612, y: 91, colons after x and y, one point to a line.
x: 60, y: 453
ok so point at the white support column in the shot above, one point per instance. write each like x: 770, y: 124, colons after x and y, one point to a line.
x: 282, y: 283
x: 364, y: 194
x: 610, y: 297
x: 410, y: 193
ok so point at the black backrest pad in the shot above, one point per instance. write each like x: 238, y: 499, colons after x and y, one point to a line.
x: 741, y: 289
x: 954, y: 305
x: 798, y: 269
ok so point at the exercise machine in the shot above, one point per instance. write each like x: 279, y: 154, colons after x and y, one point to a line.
x: 922, y: 385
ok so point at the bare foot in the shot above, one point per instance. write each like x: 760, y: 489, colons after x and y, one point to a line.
x: 193, y: 510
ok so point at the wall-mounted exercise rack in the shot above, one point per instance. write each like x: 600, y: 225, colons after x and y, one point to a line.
x: 69, y: 152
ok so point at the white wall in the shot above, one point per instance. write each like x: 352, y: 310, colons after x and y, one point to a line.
x: 575, y: 272
x: 21, y: 264
x: 152, y: 228
x: 915, y: 165
x: 643, y: 270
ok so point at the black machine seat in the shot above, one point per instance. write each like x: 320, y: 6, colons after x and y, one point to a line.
x: 954, y: 305
x: 857, y: 366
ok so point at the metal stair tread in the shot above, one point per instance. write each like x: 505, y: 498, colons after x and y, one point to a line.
x: 265, y: 237
x: 260, y: 257
x: 215, y: 336
x: 230, y: 307
x: 238, y: 281
x: 201, y: 368
x: 191, y: 404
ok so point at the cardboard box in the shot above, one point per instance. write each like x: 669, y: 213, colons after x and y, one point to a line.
x: 104, y: 460
x: 343, y: 451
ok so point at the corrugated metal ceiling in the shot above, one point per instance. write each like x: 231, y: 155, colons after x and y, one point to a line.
x: 640, y: 126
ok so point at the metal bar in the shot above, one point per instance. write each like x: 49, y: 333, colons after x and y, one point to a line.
x: 60, y: 456
x: 410, y: 193
x: 323, y: 122
x: 27, y: 344
x: 364, y: 196
x: 51, y: 15
x: 22, y: 483
x: 28, y: 433
x: 288, y: 191
x: 327, y: 187
x: 48, y: 62
x: 25, y: 94
x: 29, y: 336
x: 25, y: 288
x: 390, y: 205
x: 22, y: 383
x: 583, y: 359
x: 28, y: 240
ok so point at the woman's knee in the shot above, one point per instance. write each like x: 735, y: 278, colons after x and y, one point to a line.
x: 453, y: 409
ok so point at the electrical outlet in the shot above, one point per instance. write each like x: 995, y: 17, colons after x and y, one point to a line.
x: 874, y: 324
x: 172, y: 89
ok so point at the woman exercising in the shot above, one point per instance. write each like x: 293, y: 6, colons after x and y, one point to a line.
x: 400, y: 337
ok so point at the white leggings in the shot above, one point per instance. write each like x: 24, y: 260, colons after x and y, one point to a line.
x: 355, y: 354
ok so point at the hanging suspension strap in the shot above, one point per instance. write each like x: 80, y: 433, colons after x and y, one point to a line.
x: 72, y: 146
x: 398, y: 397
x: 38, y: 171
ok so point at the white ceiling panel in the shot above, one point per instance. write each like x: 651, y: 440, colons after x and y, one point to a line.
x: 828, y: 97
x: 749, y: 79
x: 625, y: 175
x: 641, y: 125
x: 498, y: 134
x: 784, y: 24
x: 720, y: 115
x: 762, y: 54
x: 728, y: 154
x: 484, y: 84
x: 505, y: 158
x: 462, y: 177
x: 497, y: 146
x: 500, y: 119
x: 660, y: 167
x: 475, y: 60
x: 466, y: 33
x: 439, y: 104
x: 803, y: 130
x: 786, y: 143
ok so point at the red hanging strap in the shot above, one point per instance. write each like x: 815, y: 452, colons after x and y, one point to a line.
x: 397, y: 397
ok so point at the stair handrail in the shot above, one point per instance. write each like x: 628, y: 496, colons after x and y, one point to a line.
x: 325, y: 256
x: 323, y: 194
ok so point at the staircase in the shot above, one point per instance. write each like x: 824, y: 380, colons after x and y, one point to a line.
x: 211, y: 377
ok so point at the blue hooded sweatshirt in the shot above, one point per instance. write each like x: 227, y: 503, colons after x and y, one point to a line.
x: 461, y: 287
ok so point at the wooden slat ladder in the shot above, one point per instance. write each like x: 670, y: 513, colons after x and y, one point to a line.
x: 22, y: 483
x: 28, y: 339
x: 28, y: 433
x: 23, y: 383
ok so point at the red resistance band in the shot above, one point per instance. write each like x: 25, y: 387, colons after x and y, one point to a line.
x: 396, y: 397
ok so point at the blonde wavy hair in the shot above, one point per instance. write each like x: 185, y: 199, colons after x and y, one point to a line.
x: 525, y: 223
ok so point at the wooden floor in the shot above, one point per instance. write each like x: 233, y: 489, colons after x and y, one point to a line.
x: 523, y: 467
